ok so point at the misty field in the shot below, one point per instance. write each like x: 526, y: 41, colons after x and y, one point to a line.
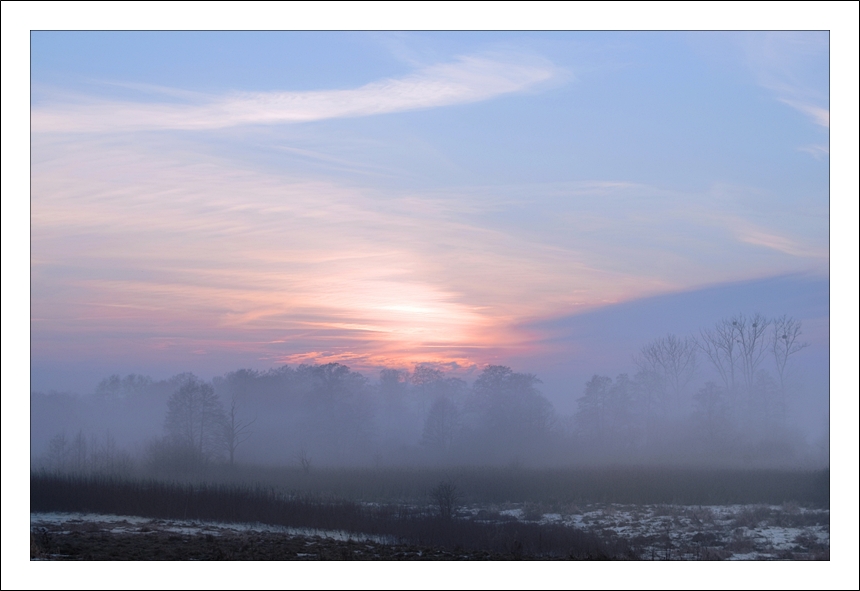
x: 306, y: 462
x: 401, y: 514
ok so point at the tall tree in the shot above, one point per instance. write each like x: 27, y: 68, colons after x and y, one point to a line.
x: 426, y: 381
x: 195, y: 419
x: 392, y: 386
x: 785, y: 343
x: 510, y: 400
x: 673, y: 360
x: 511, y: 418
x: 720, y: 346
x: 736, y: 347
x: 440, y: 426
x: 236, y: 430
x: 753, y: 341
x: 337, y: 411
x: 393, y: 391
x: 620, y: 416
x: 591, y: 414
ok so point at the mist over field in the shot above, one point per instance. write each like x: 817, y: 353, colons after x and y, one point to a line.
x: 718, y: 395
x: 698, y: 454
x: 724, y: 397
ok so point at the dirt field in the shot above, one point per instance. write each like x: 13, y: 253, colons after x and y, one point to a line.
x: 657, y: 532
x: 92, y: 537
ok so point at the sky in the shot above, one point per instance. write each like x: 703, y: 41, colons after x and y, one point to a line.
x: 212, y: 200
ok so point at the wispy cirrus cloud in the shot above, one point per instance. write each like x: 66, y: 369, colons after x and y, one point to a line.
x: 191, y: 252
x: 793, y: 65
x: 757, y: 236
x: 466, y: 80
x: 819, y: 115
x: 817, y: 150
x: 155, y: 243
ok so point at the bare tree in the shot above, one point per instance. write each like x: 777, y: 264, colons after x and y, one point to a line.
x: 736, y: 347
x: 672, y: 359
x: 785, y: 343
x: 236, y: 431
x: 752, y: 338
x: 445, y: 495
x: 195, y: 419
x: 720, y: 345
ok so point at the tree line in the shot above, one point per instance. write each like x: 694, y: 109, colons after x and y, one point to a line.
x: 722, y: 393
x: 739, y: 403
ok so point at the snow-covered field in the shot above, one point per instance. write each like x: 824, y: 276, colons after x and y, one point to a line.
x: 658, y: 532
x: 66, y: 523
x: 683, y: 532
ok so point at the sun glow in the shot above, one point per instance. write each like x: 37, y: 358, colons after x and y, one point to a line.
x: 192, y: 252
x: 280, y: 269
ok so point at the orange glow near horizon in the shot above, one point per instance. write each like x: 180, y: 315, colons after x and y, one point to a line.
x: 197, y: 258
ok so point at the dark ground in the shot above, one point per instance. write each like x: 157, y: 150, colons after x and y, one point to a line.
x: 94, y: 543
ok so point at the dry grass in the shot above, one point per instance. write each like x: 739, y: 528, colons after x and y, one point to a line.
x: 257, y: 505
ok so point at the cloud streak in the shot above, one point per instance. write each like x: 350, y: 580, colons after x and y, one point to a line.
x: 467, y: 80
x: 183, y: 254
x: 819, y: 115
x: 786, y: 63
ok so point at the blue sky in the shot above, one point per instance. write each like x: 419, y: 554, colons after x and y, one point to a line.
x: 388, y: 198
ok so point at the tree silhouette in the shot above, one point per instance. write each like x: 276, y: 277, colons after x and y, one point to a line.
x: 236, y: 431
x: 445, y: 495
x: 672, y: 360
x: 785, y: 343
x: 720, y: 345
x: 510, y: 402
x: 736, y: 347
x: 195, y: 419
x: 426, y: 381
x: 752, y: 338
x: 591, y: 413
x: 441, y: 423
